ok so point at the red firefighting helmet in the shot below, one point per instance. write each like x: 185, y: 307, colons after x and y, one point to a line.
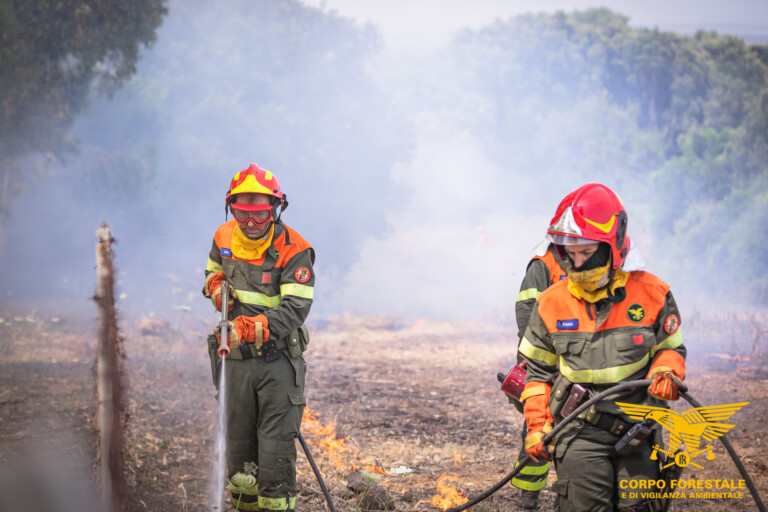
x: 591, y: 213
x: 258, y: 181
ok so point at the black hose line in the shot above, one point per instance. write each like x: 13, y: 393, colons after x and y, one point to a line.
x: 732, y: 453
x: 317, y: 473
x: 547, y: 438
x: 615, y: 390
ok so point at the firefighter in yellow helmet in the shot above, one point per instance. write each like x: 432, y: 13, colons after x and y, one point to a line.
x: 269, y: 267
x: 544, y: 269
x: 606, y: 323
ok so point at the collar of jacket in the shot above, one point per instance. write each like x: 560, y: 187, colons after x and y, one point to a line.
x: 247, y: 249
x: 586, y: 285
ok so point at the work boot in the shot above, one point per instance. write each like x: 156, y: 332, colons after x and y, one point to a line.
x: 529, y: 500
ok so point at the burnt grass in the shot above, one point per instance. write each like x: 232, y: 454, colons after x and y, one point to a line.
x: 420, y: 394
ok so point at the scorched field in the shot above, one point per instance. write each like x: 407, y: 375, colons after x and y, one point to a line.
x: 413, y: 407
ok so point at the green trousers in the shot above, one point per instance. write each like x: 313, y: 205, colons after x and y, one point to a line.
x: 533, y: 477
x: 265, y: 402
x: 589, y: 472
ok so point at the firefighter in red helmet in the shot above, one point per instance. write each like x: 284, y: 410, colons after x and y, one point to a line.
x: 269, y: 267
x: 608, y: 322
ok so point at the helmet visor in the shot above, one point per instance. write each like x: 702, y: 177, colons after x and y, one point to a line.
x: 258, y: 214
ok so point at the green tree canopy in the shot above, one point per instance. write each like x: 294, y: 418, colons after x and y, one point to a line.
x: 52, y: 52
x: 679, y: 122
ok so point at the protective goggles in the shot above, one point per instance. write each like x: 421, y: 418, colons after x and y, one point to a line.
x: 259, y: 214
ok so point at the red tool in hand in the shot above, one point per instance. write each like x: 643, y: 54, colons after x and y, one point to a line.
x: 512, y: 385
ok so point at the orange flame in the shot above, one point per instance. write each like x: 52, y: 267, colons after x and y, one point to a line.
x: 324, y: 437
x: 448, y: 496
x: 376, y: 470
x: 456, y: 458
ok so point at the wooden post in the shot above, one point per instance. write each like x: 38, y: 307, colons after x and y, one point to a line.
x: 108, y: 382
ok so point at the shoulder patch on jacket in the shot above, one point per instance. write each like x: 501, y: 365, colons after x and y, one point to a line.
x: 302, y: 274
x: 671, y: 324
x: 227, y: 253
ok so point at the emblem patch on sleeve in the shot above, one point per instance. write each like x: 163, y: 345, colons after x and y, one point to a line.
x: 302, y: 274
x: 671, y: 324
x: 227, y: 253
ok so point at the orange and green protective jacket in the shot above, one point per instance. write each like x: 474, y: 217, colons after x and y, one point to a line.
x: 569, y: 340
x: 278, y: 285
x: 542, y: 272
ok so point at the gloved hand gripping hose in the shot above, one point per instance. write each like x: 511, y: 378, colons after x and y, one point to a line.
x: 617, y: 389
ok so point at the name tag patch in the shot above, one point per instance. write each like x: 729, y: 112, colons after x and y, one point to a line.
x: 568, y: 325
x: 226, y: 252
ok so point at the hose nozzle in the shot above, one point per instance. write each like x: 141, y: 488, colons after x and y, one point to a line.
x: 223, y: 326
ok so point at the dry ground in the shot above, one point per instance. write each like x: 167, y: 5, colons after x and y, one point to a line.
x: 417, y: 394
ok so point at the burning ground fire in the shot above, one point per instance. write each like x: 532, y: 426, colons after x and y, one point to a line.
x: 448, y: 496
x: 334, y: 447
x: 325, y: 438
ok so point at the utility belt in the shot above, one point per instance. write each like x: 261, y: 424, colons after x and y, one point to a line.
x: 268, y: 350
x: 605, y: 421
x: 566, y: 398
x: 294, y: 345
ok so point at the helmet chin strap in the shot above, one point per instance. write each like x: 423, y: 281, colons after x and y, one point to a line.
x: 278, y: 218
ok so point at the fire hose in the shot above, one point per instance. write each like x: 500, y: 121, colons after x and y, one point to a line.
x: 317, y: 473
x: 223, y: 352
x: 619, y: 388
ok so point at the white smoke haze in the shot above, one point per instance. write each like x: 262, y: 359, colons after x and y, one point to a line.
x: 422, y: 185
x: 449, y: 252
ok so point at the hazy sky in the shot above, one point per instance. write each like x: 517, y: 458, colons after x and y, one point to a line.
x: 409, y: 24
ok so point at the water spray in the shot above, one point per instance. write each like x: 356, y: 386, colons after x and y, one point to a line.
x: 615, y: 390
x: 219, y: 462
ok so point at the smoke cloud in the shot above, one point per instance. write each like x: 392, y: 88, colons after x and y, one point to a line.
x: 423, y: 183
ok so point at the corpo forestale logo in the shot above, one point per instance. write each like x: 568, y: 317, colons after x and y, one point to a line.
x: 686, y: 432
x: 687, y: 429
